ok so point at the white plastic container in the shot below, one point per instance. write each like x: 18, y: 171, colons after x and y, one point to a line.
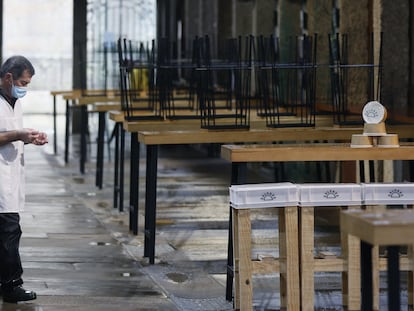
x: 329, y: 194
x: 263, y: 195
x: 388, y: 193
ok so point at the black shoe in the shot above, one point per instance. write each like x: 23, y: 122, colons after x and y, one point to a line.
x: 17, y: 294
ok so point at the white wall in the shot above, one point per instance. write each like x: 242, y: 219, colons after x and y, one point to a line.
x: 41, y: 30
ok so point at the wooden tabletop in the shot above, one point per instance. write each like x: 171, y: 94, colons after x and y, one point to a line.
x: 257, y: 133
x: 116, y: 115
x: 313, y: 152
x: 64, y: 92
x: 200, y: 136
x: 255, y: 122
x: 85, y: 92
x: 102, y: 99
x: 105, y: 107
x: 385, y: 227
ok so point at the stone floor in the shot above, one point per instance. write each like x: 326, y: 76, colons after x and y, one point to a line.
x: 78, y: 253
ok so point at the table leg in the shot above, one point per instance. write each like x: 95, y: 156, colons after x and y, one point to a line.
x: 116, y: 165
x: 67, y: 130
x: 243, y: 293
x: 121, y: 170
x: 134, y: 184
x: 393, y: 276
x: 54, y: 126
x: 83, y: 134
x: 366, y: 277
x: 151, y: 202
x: 100, y: 150
x: 289, y: 252
x: 238, y: 176
x: 306, y: 260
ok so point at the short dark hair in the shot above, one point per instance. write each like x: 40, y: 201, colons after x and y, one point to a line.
x: 16, y: 65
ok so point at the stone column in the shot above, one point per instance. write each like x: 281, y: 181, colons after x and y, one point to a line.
x: 289, y: 25
x: 320, y: 23
x: 264, y: 17
x: 356, y: 22
x: 395, y: 23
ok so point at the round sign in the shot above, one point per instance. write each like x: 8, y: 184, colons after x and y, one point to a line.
x: 374, y: 113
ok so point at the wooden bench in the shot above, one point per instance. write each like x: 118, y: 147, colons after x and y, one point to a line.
x: 312, y: 196
x: 284, y: 197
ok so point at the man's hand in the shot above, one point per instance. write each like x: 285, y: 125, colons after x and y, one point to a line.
x: 41, y: 139
x: 31, y: 136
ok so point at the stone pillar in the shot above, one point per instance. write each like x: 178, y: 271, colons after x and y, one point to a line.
x: 79, y: 56
x: 356, y: 22
x: 244, y: 9
x: 264, y: 17
x: 193, y: 21
x: 320, y: 23
x: 209, y: 17
x: 395, y: 23
x: 289, y: 25
x: 226, y: 16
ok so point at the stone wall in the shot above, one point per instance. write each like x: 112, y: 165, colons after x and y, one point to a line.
x: 358, y: 19
x: 395, y: 26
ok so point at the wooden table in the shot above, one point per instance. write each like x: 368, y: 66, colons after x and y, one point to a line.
x: 312, y: 152
x: 73, y: 95
x: 55, y: 94
x: 391, y: 228
x: 240, y: 155
x: 121, y: 127
x: 104, y: 103
x: 153, y: 139
x: 133, y: 127
x: 102, y: 108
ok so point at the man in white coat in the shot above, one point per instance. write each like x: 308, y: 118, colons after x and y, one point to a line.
x: 15, y: 75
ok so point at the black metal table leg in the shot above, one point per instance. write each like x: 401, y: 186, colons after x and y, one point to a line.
x: 54, y: 126
x: 151, y: 202
x: 83, y: 134
x: 238, y: 176
x: 366, y: 277
x: 100, y: 149
x: 134, y: 184
x: 116, y: 164
x: 121, y: 169
x: 393, y: 275
x: 67, y: 130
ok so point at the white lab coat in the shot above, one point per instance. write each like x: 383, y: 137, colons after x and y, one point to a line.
x: 12, y: 183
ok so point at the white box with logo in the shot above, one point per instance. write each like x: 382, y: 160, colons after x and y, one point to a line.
x: 329, y: 194
x: 388, y: 193
x: 263, y: 195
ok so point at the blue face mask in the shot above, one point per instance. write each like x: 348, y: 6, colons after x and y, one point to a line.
x: 18, y: 91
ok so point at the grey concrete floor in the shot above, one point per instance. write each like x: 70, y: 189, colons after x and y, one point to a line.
x: 78, y: 253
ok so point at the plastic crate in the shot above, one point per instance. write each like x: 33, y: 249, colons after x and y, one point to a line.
x: 388, y: 193
x: 263, y: 195
x: 329, y: 194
